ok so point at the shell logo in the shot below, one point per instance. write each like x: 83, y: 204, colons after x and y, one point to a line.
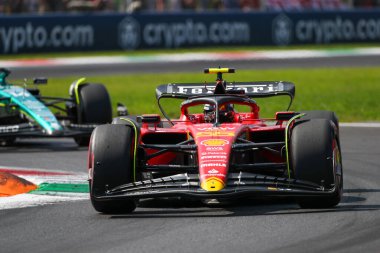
x: 214, y: 142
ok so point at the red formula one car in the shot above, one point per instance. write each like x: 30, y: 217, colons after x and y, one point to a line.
x: 224, y: 151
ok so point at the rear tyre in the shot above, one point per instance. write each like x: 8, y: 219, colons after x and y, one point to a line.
x: 111, y: 160
x: 94, y: 108
x: 316, y: 157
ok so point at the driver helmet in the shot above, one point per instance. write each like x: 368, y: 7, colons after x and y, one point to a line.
x: 225, y: 113
x: 209, y: 113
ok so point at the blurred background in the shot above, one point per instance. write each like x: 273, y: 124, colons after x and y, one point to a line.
x: 38, y: 26
x: 44, y: 6
x: 327, y: 47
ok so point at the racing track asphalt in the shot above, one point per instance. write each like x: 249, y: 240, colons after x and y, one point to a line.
x: 128, y: 68
x: 176, y: 226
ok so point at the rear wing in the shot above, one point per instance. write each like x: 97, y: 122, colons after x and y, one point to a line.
x: 251, y: 89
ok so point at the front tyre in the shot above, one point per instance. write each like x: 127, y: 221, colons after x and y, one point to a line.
x: 111, y: 165
x: 316, y: 157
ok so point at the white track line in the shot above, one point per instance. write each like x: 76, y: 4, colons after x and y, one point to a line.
x: 190, y: 57
x: 361, y: 124
x: 30, y: 200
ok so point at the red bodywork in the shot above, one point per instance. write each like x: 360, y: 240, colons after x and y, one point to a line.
x: 214, y: 143
x: 223, y: 151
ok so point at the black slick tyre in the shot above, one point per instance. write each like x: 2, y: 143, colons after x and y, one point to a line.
x: 111, y: 162
x: 328, y: 115
x: 315, y: 156
x: 94, y: 108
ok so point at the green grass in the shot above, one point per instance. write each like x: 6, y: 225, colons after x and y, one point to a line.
x: 353, y: 93
x: 184, y: 50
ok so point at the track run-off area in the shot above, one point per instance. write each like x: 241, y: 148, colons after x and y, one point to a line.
x: 27, y: 186
x: 58, y: 216
x: 61, y: 218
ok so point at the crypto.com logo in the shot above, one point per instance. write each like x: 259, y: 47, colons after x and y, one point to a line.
x: 129, y: 33
x: 282, y: 30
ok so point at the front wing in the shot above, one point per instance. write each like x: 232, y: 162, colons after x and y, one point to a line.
x: 238, y: 185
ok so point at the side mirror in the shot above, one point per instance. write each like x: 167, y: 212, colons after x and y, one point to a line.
x: 122, y: 110
x: 151, y: 118
x: 285, y: 115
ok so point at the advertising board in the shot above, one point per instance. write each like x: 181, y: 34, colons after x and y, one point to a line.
x: 95, y: 32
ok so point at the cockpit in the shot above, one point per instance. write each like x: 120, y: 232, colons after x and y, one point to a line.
x: 218, y: 109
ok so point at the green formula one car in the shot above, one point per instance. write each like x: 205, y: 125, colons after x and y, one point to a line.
x: 24, y: 112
